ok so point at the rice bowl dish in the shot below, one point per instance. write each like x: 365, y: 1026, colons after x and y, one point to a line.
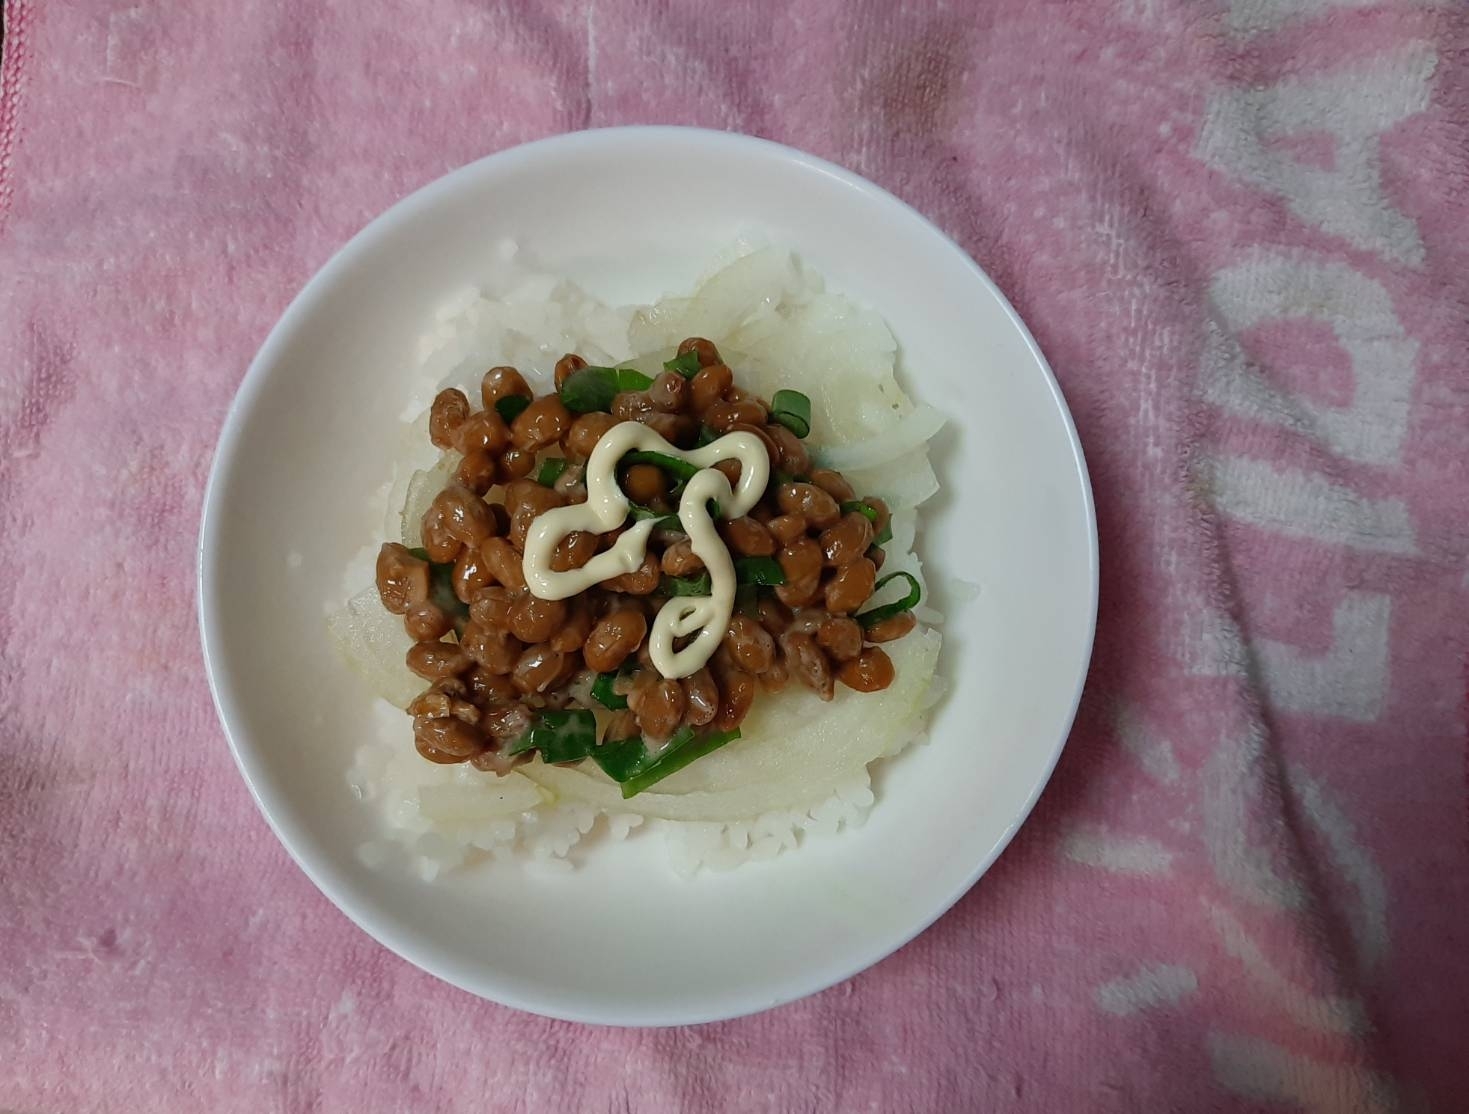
x: 302, y: 486
x: 800, y: 763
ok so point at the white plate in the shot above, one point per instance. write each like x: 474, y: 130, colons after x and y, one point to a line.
x: 632, y: 213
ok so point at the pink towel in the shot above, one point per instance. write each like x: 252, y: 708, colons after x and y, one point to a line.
x: 1237, y: 228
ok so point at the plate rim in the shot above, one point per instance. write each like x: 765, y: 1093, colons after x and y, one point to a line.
x: 325, y: 875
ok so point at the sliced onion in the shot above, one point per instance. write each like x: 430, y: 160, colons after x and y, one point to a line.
x: 423, y: 488
x: 486, y: 799
x: 794, y: 753
x: 652, y: 326
x: 902, y: 484
x: 916, y: 428
x: 373, y: 642
x: 905, y: 529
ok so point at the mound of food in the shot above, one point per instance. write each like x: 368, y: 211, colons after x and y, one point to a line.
x: 679, y: 586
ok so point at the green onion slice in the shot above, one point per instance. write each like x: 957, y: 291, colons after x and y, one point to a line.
x: 870, y: 513
x: 680, y: 469
x: 660, y: 520
x: 594, y: 388
x: 566, y: 736
x: 627, y: 760
x: 551, y: 469
x: 792, y: 409
x: 441, y: 588
x: 621, y: 759
x: 888, y: 610
x: 686, y: 365
x: 605, y: 693
x: 758, y: 570
x: 699, y: 585
x: 684, y: 748
x: 510, y: 407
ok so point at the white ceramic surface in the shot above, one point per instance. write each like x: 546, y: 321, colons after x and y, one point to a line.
x: 622, y: 939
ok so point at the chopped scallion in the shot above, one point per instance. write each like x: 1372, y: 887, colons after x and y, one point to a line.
x: 758, y: 570
x: 565, y: 736
x: 686, y: 365
x: 551, y: 470
x: 870, y: 513
x: 511, y: 406
x: 594, y: 388
x: 888, y: 610
x: 680, y: 469
x: 792, y: 409
x: 441, y: 588
x: 699, y: 585
x: 661, y: 520
x: 683, y: 749
x: 621, y: 759
x: 605, y: 692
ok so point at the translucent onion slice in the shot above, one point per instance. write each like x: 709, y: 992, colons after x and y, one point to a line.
x: 371, y: 639
x: 795, y: 750
x: 913, y: 431
x: 423, y: 487
x: 486, y: 798
x: 903, y: 483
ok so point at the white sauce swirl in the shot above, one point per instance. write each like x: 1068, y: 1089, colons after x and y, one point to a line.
x: 606, y: 509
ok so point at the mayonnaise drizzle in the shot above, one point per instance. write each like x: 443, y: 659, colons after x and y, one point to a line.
x: 606, y: 509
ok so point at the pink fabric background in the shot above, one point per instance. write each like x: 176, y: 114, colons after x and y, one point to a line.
x: 1237, y: 228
